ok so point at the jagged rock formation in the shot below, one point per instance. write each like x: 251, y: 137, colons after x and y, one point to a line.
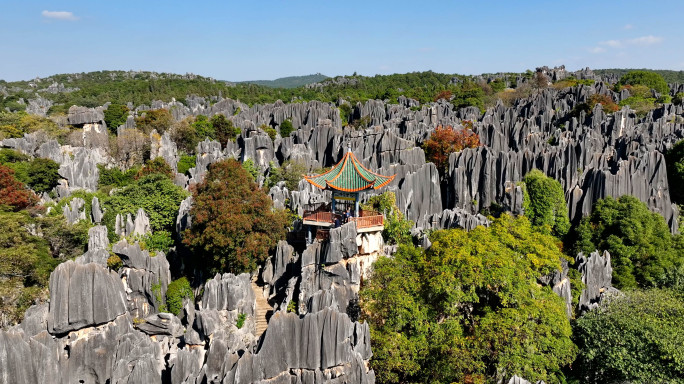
x: 597, y: 275
x: 138, y: 225
x: 83, y: 295
x: 146, y: 278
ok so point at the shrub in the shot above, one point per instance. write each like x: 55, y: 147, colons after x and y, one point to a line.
x: 545, y: 204
x: 114, y: 262
x: 234, y: 223
x: 159, y: 119
x: 469, y: 308
x: 224, y: 128
x: 286, y: 128
x: 249, y: 166
x: 158, y: 241
x: 115, y: 115
x: 292, y: 307
x: 634, y: 338
x: 678, y: 98
x: 446, y: 140
x: 158, y: 166
x: 397, y: 229
x: 183, y: 133
x: 446, y: 95
x: 185, y: 163
x: 176, y: 292
x: 607, y: 103
x: 43, y: 174
x: 345, y: 114
x: 270, y: 131
x: 114, y: 177
x: 241, y: 320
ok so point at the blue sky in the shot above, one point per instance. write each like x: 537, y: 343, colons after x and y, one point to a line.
x: 251, y: 40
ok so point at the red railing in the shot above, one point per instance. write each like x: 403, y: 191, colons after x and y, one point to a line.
x: 367, y: 221
x: 318, y: 216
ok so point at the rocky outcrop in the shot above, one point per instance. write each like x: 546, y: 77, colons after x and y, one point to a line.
x: 138, y: 225
x: 98, y: 244
x: 303, y: 349
x: 82, y: 115
x: 74, y: 211
x: 83, y: 295
x: 597, y: 275
x: 162, y: 146
x: 146, y: 278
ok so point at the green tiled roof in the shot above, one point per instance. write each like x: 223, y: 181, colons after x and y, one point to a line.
x: 349, y: 175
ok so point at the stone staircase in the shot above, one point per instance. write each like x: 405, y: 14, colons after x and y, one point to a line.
x: 263, y: 310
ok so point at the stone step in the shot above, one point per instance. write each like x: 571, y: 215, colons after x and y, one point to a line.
x: 262, y: 310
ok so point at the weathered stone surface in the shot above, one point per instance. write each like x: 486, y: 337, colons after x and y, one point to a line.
x: 96, y: 211
x: 161, y: 324
x: 146, y: 278
x: 98, y: 244
x: 317, y: 342
x: 597, y: 275
x: 132, y: 225
x: 230, y: 292
x: 184, y: 220
x: 82, y: 296
x: 82, y: 115
x: 75, y: 211
x: 162, y: 146
x: 342, y: 244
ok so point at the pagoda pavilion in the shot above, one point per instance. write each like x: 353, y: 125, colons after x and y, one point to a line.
x: 346, y: 180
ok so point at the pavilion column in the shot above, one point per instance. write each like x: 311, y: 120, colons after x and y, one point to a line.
x: 356, y: 205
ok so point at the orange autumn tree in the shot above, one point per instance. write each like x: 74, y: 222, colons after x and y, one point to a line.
x: 234, y: 225
x: 445, y: 140
x: 13, y: 192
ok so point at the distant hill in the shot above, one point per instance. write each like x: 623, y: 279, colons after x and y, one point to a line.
x: 668, y: 75
x: 289, y: 82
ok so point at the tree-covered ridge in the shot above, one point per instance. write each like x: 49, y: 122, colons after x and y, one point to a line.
x: 288, y: 82
x: 669, y: 75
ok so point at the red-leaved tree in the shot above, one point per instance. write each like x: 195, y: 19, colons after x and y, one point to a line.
x: 234, y: 224
x: 445, y: 140
x: 13, y: 192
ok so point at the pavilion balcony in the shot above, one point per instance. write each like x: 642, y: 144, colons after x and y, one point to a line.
x: 369, y: 221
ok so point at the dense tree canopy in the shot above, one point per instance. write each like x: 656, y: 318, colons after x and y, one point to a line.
x: 638, y: 338
x: 156, y: 194
x: 650, y: 79
x: 545, y: 203
x: 469, y: 308
x: 115, y: 115
x: 674, y: 159
x: 643, y: 252
x: 234, y: 224
x: 13, y: 193
x: 446, y: 140
x: 397, y: 228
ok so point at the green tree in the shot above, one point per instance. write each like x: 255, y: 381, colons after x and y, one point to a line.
x: 234, y: 224
x: 469, y: 308
x: 203, y: 128
x: 545, y: 205
x: 176, y: 292
x: 637, y: 338
x: 251, y: 168
x: 224, y: 128
x: 159, y: 119
x: 155, y: 194
x: 25, y: 265
x: 185, y: 163
x: 115, y: 115
x: 650, y: 79
x: 643, y: 252
x: 43, y: 175
x: 286, y: 128
x: 157, y: 166
x: 396, y: 229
